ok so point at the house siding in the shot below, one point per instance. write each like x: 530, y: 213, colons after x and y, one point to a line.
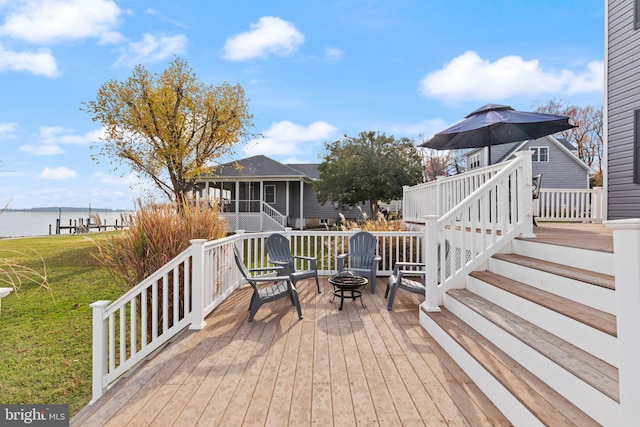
x: 623, y: 98
x: 315, y: 210
x: 557, y: 172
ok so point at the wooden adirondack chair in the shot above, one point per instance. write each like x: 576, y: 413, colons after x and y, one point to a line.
x: 361, y: 258
x: 279, y: 251
x: 280, y: 288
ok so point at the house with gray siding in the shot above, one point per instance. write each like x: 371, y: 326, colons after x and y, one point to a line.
x: 622, y: 109
x: 555, y: 158
x: 261, y: 194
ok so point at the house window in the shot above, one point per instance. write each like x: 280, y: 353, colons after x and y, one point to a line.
x: 474, y: 161
x: 636, y: 147
x: 270, y: 194
x: 540, y: 154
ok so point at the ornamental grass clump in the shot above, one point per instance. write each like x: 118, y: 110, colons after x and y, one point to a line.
x: 157, y: 233
x: 406, y: 248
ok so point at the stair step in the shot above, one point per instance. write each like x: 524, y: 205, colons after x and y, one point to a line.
x: 598, y: 279
x: 590, y: 316
x: 590, y: 369
x: 550, y: 407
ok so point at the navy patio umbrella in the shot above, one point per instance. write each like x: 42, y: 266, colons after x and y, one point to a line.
x: 494, y: 124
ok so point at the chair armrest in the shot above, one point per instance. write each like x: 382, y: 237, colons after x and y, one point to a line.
x: 265, y: 269
x: 340, y: 261
x: 408, y: 266
x: 266, y: 278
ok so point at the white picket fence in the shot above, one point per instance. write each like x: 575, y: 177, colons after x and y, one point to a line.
x: 186, y: 290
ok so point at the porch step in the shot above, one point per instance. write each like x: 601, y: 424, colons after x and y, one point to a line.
x: 589, y: 259
x: 587, y: 276
x: 540, y: 401
x: 586, y: 367
x: 589, y: 316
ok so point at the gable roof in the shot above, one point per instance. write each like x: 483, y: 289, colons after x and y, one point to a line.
x: 561, y: 143
x: 263, y: 167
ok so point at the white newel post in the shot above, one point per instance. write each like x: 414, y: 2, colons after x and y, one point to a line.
x: 525, y: 195
x: 99, y: 351
x: 626, y: 246
x: 430, y: 249
x: 197, y: 284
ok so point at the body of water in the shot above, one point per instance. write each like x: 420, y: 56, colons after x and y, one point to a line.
x: 36, y: 222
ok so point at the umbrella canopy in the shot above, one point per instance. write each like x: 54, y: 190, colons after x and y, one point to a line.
x: 494, y: 124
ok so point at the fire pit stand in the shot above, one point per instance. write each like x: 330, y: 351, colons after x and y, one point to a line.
x: 349, y: 285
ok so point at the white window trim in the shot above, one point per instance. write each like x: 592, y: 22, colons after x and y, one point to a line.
x: 474, y: 161
x: 266, y: 194
x: 536, y: 153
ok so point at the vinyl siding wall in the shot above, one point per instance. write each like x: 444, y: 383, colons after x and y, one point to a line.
x: 313, y: 209
x: 560, y: 171
x: 623, y: 97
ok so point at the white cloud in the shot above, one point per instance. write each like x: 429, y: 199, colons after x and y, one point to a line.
x: 52, y: 21
x: 57, y: 173
x: 42, y: 150
x: 287, y: 138
x: 426, y: 128
x: 334, y: 54
x: 40, y: 62
x: 153, y: 49
x: 52, y: 138
x: 7, y: 128
x: 470, y: 77
x: 271, y: 35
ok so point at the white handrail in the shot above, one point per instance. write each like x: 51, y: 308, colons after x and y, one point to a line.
x: 440, y: 196
x: 272, y: 213
x: 484, y: 222
x: 178, y: 295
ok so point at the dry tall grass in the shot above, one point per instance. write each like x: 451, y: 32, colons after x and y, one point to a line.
x: 380, y: 223
x: 156, y: 234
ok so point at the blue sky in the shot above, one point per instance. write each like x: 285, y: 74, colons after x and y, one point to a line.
x: 313, y: 71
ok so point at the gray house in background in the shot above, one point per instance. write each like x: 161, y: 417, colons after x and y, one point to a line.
x: 622, y: 101
x: 261, y: 194
x: 556, y: 159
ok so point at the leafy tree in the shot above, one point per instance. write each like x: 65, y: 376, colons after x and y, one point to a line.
x: 587, y: 137
x: 169, y: 127
x: 371, y: 166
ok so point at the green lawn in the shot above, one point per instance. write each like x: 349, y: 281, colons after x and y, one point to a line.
x: 45, y: 336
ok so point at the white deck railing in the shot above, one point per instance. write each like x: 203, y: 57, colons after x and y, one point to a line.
x: 585, y: 205
x: 272, y: 213
x: 440, y: 196
x: 187, y: 289
x: 478, y: 227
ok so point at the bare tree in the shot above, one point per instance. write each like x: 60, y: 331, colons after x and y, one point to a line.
x: 587, y: 137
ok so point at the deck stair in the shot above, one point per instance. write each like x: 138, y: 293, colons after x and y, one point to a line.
x: 537, y: 333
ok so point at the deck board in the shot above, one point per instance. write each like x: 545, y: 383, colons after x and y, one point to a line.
x: 358, y: 366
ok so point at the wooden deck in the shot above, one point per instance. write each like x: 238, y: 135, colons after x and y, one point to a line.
x: 365, y: 366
